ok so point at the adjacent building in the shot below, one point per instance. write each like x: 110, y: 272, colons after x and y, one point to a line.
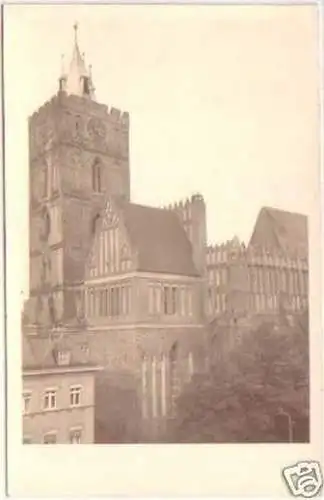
x: 270, y: 272
x: 58, y: 394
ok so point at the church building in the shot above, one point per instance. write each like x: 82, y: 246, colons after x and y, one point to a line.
x: 131, y: 287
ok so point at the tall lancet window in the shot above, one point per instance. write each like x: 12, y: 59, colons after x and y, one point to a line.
x: 174, y: 382
x: 45, y: 181
x: 96, y: 176
x: 94, y: 224
x: 144, y: 387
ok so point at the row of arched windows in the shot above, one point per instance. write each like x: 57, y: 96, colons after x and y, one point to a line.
x: 111, y: 301
x: 218, y: 275
x: 275, y: 280
x: 161, y: 382
x: 49, y: 174
x: 170, y: 299
x: 263, y: 303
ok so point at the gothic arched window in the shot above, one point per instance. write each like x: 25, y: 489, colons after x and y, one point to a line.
x: 94, y: 223
x: 96, y: 176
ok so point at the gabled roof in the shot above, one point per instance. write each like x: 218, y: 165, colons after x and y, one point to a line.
x: 160, y: 240
x: 281, y: 230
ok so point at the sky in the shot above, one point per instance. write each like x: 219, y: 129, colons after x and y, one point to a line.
x: 223, y: 100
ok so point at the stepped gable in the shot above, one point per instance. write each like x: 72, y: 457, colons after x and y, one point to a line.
x: 278, y: 229
x: 160, y: 240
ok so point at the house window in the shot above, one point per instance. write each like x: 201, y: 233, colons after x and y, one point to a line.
x: 75, y: 396
x: 50, y: 399
x: 85, y: 348
x: 50, y: 438
x: 27, y: 440
x: 96, y: 177
x: 75, y: 436
x: 26, y: 402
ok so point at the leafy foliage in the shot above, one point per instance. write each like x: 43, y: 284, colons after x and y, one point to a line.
x: 264, y: 374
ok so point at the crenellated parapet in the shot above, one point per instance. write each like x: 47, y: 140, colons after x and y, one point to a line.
x: 185, y: 208
x: 254, y: 256
x: 74, y: 120
x: 43, y: 110
x: 191, y: 212
x: 81, y: 105
x: 223, y: 253
x: 262, y: 256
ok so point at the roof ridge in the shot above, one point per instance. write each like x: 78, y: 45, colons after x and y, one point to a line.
x: 150, y: 207
x: 275, y: 209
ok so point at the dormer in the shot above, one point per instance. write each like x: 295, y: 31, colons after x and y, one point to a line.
x: 62, y: 357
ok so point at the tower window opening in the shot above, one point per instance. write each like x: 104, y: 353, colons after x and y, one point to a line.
x: 96, y: 177
x: 86, y: 86
x: 61, y: 84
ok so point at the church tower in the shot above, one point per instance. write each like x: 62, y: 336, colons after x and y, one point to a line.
x: 78, y: 156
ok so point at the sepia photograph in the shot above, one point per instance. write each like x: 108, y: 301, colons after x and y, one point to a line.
x: 162, y: 169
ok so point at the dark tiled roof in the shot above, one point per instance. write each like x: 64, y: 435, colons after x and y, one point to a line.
x: 160, y: 240
x: 40, y: 352
x: 285, y: 231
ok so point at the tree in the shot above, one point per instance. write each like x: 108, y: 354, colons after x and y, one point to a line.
x: 239, y: 400
x: 117, y: 415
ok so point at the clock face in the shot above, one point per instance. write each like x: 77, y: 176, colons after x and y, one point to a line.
x: 96, y: 128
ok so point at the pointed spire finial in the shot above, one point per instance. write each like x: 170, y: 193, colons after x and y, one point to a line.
x: 77, y: 80
x: 75, y: 27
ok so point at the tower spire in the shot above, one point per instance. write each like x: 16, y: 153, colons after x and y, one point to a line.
x: 75, y: 27
x: 77, y: 80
